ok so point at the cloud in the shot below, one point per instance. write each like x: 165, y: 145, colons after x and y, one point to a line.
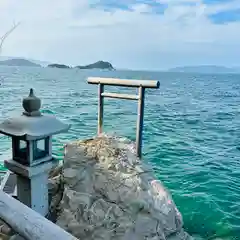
x: 134, y: 34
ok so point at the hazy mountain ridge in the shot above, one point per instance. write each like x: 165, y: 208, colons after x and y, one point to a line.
x: 19, y: 62
x: 42, y: 63
x: 205, y: 69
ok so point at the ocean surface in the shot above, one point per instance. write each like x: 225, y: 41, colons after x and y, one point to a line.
x: 191, y: 133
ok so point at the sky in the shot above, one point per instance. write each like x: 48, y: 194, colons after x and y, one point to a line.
x: 132, y: 34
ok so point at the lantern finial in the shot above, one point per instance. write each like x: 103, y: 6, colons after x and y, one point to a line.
x: 31, y: 105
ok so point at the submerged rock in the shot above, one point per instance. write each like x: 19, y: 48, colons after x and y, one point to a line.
x: 109, y: 193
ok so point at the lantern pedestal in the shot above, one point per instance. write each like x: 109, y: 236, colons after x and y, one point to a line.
x: 32, y: 184
x: 32, y: 159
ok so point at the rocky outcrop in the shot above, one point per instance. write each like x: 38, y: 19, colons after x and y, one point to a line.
x: 110, y: 194
x: 103, y: 191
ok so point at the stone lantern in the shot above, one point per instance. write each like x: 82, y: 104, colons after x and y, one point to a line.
x: 32, y: 159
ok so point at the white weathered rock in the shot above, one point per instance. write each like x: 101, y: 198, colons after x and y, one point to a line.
x: 110, y: 194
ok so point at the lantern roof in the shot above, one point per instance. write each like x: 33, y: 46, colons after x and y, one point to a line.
x: 32, y: 124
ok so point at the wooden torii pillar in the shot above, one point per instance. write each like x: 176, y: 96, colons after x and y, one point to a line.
x: 140, y: 84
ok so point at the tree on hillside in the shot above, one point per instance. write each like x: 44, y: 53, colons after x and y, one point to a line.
x: 5, y: 36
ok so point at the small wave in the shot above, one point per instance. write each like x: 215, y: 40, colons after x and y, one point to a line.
x: 227, y: 95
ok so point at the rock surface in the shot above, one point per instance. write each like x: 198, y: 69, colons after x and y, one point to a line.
x: 104, y: 192
x: 110, y: 194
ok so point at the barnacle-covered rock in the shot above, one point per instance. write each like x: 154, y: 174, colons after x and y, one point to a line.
x: 109, y: 193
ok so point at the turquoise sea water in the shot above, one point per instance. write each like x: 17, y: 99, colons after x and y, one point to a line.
x: 191, y: 134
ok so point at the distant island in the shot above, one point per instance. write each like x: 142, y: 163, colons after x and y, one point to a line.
x: 28, y: 63
x: 104, y: 65
x: 55, y: 65
x: 18, y: 62
x: 98, y: 65
x: 204, y: 69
